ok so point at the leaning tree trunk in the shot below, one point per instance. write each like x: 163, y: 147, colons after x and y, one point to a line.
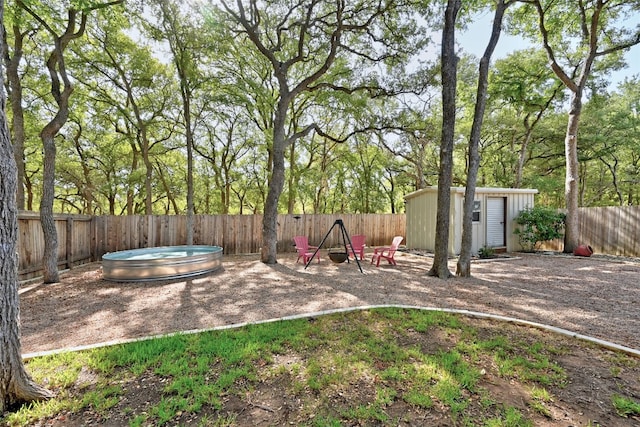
x: 15, y: 384
x: 47, y: 135
x: 463, y: 267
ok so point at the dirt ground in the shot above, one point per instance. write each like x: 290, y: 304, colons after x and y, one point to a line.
x: 597, y: 297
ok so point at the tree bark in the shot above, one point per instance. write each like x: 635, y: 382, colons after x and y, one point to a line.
x: 16, y: 386
x: 268, y: 253
x: 15, y: 97
x: 572, y: 176
x: 440, y: 267
x: 463, y: 267
x: 50, y: 256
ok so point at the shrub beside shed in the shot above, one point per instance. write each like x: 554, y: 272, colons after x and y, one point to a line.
x: 495, y: 210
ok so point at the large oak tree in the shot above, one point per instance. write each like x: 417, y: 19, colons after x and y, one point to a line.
x: 303, y: 41
x: 590, y: 31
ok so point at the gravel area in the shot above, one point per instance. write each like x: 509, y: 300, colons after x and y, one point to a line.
x: 596, y: 296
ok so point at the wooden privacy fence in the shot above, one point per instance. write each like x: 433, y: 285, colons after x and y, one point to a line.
x: 237, y: 234
x: 75, y: 242
x: 82, y: 239
x: 608, y: 230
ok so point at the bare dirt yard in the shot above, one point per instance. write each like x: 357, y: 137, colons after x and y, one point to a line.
x: 597, y: 297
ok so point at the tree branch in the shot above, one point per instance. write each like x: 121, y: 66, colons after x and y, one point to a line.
x: 622, y: 46
x: 547, y: 47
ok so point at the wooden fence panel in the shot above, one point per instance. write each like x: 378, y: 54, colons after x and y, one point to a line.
x: 633, y: 228
x: 74, y: 242
x: 608, y: 230
x: 379, y: 229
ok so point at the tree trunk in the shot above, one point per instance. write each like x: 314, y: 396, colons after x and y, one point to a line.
x: 440, y: 267
x: 463, y: 267
x: 186, y: 102
x: 291, y: 202
x: 89, y: 189
x: 276, y: 184
x: 50, y: 256
x: 17, y: 120
x: 16, y: 386
x: 572, y: 178
x: 270, y: 220
x: 522, y: 154
x: 61, y: 90
x: 130, y: 180
x: 148, y: 167
x: 47, y: 135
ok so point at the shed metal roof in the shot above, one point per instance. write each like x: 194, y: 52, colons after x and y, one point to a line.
x: 484, y: 190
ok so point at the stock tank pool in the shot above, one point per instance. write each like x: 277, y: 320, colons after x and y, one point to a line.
x: 161, y: 263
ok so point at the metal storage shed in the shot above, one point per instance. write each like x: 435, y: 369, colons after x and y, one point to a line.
x: 493, y: 220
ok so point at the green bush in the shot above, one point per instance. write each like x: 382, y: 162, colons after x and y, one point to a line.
x: 537, y: 225
x: 486, y: 252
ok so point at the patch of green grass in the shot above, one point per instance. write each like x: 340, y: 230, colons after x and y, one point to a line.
x: 327, y: 422
x: 625, y: 406
x: 511, y: 417
x: 47, y: 369
x: 418, y: 398
x: 366, y: 413
x: 103, y: 398
x: 540, y: 396
x: 383, y: 356
x: 533, y: 366
x: 28, y: 415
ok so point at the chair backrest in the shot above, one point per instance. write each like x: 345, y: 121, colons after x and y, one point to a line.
x: 358, y: 241
x: 395, y: 244
x: 302, y: 243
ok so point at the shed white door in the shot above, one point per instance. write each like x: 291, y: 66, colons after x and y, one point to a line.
x: 496, y: 225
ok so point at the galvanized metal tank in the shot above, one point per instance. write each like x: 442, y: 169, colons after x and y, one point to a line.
x: 160, y: 263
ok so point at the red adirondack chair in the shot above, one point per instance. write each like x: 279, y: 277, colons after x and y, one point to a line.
x: 357, y: 246
x: 386, y: 252
x: 305, y: 251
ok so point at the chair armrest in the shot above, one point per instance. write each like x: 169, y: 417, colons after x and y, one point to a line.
x: 381, y: 249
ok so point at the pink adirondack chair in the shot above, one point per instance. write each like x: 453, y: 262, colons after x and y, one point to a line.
x: 386, y: 252
x: 357, y: 246
x: 305, y: 251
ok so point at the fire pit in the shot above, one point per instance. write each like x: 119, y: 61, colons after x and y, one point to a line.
x: 337, y: 257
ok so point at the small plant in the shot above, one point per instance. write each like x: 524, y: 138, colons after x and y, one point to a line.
x: 486, y: 252
x: 537, y: 225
